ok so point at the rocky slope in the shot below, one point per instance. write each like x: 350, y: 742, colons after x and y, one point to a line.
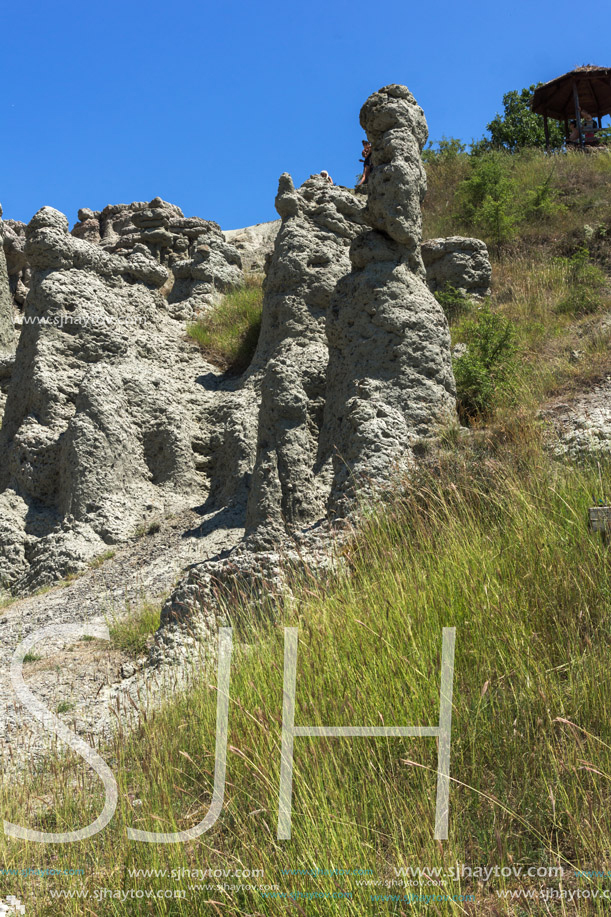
x: 113, y: 418
x: 104, y: 425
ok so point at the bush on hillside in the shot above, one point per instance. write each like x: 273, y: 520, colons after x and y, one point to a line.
x: 487, y: 198
x: 486, y: 370
x: 448, y: 148
x: 455, y: 303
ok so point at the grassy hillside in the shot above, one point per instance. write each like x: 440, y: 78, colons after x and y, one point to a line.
x: 490, y: 537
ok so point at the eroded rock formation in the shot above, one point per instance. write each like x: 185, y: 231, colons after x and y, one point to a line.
x: 359, y: 366
x: 7, y: 325
x: 113, y: 417
x: 389, y: 381
x: 105, y: 420
x: 255, y: 244
x: 202, y: 265
x: 319, y: 222
x: 12, y: 241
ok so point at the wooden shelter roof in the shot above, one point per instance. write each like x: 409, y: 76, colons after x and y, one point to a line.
x: 556, y: 100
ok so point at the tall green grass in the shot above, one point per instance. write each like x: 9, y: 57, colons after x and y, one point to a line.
x: 229, y: 332
x: 491, y: 539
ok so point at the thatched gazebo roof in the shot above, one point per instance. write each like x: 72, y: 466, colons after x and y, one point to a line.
x: 591, y: 85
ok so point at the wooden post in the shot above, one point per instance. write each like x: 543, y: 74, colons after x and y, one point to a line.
x: 578, y: 114
x: 566, y: 128
x: 600, y: 521
x: 546, y: 129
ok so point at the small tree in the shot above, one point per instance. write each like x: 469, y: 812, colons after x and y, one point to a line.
x: 487, y: 198
x: 486, y: 371
x: 519, y: 127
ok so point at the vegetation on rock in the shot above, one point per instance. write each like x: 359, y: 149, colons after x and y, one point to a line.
x: 228, y: 333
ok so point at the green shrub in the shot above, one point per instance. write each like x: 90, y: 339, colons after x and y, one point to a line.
x: 448, y: 148
x: 487, y: 198
x: 131, y: 632
x: 228, y: 333
x: 487, y: 369
x: 585, y: 282
x: 453, y: 302
x: 541, y: 201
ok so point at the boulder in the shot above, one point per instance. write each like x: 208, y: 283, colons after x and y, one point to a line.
x: 457, y: 261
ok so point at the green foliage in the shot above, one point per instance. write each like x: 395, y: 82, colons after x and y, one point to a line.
x: 64, y: 706
x: 585, y: 282
x: 228, y: 333
x: 131, y: 631
x: 454, y: 302
x: 448, y: 148
x: 486, y: 370
x: 541, y: 202
x: 519, y: 127
x: 487, y: 198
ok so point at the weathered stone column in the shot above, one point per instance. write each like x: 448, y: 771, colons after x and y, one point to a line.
x: 389, y: 379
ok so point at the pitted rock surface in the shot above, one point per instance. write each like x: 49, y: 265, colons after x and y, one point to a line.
x: 255, y: 244
x: 461, y: 262
x: 7, y: 322
x: 202, y: 264
x: 104, y: 426
x: 389, y: 380
x: 319, y: 221
x: 12, y: 239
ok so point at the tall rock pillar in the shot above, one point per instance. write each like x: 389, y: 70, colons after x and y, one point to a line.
x: 389, y: 378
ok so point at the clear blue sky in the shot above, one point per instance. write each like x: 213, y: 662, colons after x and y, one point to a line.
x: 206, y: 102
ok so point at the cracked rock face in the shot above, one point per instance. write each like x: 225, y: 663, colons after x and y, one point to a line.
x: 202, y: 264
x: 319, y: 222
x: 389, y: 380
x: 104, y: 411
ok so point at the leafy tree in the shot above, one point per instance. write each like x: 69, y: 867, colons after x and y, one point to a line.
x: 519, y: 127
x: 487, y: 198
x: 448, y: 148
